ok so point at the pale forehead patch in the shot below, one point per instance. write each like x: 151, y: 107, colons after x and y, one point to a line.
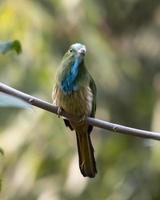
x: 78, y: 46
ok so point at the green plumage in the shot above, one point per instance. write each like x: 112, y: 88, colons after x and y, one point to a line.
x: 75, y: 92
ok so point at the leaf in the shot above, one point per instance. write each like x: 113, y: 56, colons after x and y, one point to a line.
x: 10, y: 45
x: 7, y: 100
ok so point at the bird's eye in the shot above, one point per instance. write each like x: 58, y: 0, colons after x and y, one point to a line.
x: 71, y: 50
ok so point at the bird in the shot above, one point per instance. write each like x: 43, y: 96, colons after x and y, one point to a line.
x: 75, y: 93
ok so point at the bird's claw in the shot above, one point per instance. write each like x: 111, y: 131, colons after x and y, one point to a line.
x: 82, y: 119
x: 59, y: 111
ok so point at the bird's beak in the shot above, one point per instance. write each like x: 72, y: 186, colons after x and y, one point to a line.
x: 82, y: 51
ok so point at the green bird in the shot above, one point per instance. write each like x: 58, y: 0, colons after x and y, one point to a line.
x: 75, y: 93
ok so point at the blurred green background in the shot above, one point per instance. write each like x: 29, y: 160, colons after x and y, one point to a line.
x: 123, y: 43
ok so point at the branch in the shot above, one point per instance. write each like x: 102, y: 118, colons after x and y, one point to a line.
x: 92, y: 121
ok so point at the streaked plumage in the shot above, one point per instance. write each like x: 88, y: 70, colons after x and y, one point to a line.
x: 75, y: 92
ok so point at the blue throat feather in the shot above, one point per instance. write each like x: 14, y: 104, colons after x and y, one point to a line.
x: 68, y: 83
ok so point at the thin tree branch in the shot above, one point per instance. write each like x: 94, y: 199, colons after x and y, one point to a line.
x: 92, y: 121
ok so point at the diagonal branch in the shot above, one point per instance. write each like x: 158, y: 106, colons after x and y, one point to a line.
x: 92, y: 121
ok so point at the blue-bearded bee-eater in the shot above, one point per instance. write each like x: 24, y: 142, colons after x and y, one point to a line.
x: 75, y: 93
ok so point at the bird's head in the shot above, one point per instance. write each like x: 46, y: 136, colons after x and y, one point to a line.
x: 76, y: 51
x: 72, y: 64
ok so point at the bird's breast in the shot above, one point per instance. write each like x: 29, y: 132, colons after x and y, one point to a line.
x: 77, y: 103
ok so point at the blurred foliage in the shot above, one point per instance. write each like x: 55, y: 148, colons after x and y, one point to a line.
x: 123, y: 42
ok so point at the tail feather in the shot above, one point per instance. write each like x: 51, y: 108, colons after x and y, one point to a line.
x: 87, y: 162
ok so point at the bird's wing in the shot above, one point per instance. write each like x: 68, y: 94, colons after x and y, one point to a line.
x: 92, y: 85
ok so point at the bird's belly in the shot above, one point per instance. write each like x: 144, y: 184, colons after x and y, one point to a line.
x: 77, y: 103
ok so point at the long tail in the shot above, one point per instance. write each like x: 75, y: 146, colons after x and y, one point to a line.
x: 87, y: 162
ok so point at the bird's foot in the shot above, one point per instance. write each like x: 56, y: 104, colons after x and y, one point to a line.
x: 82, y: 119
x: 59, y: 111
